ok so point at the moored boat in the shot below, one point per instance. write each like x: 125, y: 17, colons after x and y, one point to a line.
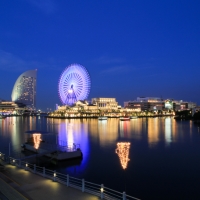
x: 133, y: 117
x: 36, y: 143
x: 102, y: 118
x: 124, y: 118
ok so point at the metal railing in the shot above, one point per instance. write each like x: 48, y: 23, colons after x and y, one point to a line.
x: 96, y: 189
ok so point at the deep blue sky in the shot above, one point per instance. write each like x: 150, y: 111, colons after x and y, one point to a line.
x: 130, y: 48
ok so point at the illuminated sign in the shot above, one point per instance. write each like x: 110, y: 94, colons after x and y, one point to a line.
x: 36, y: 140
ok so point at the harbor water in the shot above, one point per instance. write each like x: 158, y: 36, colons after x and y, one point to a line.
x: 162, y: 160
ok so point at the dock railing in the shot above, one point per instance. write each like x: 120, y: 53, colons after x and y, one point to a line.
x: 85, y: 186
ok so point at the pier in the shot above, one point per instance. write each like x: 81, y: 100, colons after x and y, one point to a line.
x: 21, y: 180
x: 20, y: 184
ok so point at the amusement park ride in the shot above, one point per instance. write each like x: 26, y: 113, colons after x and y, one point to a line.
x: 74, y: 84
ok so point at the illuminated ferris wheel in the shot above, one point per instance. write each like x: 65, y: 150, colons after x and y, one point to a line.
x: 74, y: 84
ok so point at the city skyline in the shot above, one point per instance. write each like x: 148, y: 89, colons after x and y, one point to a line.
x: 130, y: 48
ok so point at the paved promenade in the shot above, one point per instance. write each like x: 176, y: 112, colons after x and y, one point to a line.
x: 18, y: 184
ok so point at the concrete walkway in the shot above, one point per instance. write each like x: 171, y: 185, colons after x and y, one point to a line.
x: 18, y: 184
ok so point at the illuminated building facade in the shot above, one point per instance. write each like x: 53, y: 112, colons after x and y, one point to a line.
x: 10, y: 107
x: 105, y: 103
x: 183, y: 105
x: 156, y: 103
x: 146, y: 103
x: 24, y: 90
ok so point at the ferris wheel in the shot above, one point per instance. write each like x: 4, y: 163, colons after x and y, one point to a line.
x: 74, y: 84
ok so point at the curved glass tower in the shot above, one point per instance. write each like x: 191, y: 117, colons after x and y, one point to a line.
x: 24, y: 90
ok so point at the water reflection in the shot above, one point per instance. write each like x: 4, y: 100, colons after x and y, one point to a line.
x: 153, y: 131
x: 125, y: 129
x: 107, y: 132
x: 73, y: 133
x: 168, y: 130
x: 123, y: 153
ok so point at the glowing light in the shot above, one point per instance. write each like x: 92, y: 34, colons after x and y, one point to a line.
x: 123, y: 153
x: 54, y: 174
x: 26, y: 165
x: 36, y: 140
x: 70, y: 91
x: 102, y: 190
x: 74, y: 84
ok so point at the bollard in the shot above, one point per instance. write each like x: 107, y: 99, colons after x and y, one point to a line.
x: 43, y: 171
x: 124, y: 196
x: 102, y: 195
x: 34, y: 168
x: 54, y: 176
x: 67, y: 180
x: 83, y: 185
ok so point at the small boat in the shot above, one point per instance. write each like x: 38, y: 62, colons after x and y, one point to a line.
x: 102, y: 118
x: 133, y: 117
x: 124, y: 118
x: 35, y: 143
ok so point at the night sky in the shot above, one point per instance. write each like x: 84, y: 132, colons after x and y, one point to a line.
x: 130, y: 48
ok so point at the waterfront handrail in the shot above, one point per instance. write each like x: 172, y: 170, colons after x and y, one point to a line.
x: 96, y: 189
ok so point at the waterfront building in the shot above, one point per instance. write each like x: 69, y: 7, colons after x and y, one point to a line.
x: 156, y: 104
x: 80, y: 109
x: 10, y: 107
x: 24, y: 90
x: 146, y: 103
x: 106, y: 103
x: 98, y: 107
x: 183, y: 105
x: 195, y: 110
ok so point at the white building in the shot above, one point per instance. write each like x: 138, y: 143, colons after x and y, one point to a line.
x: 106, y: 103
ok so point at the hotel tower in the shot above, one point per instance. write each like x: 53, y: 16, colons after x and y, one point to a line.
x: 24, y: 90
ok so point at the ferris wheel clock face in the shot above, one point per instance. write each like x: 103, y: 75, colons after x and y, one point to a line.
x: 74, y: 84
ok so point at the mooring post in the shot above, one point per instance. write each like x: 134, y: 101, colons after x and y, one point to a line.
x: 124, y: 195
x: 102, y: 189
x: 83, y: 185
x: 54, y: 176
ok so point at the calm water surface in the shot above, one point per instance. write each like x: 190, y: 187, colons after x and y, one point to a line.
x: 164, y: 153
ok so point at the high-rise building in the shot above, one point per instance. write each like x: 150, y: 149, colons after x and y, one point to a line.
x: 24, y: 90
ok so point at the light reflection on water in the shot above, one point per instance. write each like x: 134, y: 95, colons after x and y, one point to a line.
x: 107, y: 132
x: 151, y: 139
